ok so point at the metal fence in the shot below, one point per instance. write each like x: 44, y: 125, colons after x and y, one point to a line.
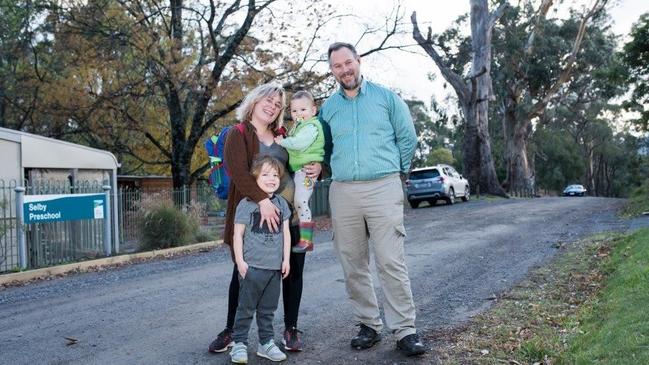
x: 57, y: 243
x: 200, y: 197
x: 51, y: 243
x: 132, y: 202
x: 320, y: 199
x: 8, y: 238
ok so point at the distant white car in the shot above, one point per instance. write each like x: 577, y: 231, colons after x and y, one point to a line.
x: 574, y: 190
x: 436, y: 182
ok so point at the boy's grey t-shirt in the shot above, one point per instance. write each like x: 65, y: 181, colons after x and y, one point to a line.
x: 262, y: 248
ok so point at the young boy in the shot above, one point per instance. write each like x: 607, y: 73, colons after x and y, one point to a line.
x: 304, y: 144
x: 260, y: 255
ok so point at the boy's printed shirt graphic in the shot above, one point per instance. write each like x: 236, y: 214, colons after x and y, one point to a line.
x: 269, y: 235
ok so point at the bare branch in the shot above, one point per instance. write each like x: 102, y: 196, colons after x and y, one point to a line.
x: 454, y: 79
x: 493, y: 18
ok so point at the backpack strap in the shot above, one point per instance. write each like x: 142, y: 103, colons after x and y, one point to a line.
x: 241, y: 128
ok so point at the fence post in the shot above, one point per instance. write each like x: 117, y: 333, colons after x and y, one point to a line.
x: 107, y: 221
x: 20, y: 227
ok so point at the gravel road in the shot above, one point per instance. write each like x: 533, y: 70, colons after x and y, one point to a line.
x: 167, y: 311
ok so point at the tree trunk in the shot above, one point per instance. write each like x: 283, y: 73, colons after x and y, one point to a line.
x: 473, y: 96
x: 478, y: 162
x: 477, y: 142
x: 590, y: 177
x: 520, y: 176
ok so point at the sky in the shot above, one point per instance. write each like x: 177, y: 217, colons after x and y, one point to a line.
x: 407, y: 72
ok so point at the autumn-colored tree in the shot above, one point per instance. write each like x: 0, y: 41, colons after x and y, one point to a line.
x: 149, y: 80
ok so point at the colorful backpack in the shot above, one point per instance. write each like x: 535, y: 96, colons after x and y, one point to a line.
x: 219, y: 177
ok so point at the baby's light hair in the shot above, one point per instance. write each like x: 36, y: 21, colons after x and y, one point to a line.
x: 260, y: 161
x: 303, y: 94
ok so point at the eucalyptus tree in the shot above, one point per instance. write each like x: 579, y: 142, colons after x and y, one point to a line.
x: 636, y: 56
x: 474, y: 91
x: 537, y: 58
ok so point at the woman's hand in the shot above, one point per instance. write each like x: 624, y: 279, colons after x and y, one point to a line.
x: 286, y: 268
x: 269, y: 214
x: 279, y: 139
x: 313, y: 170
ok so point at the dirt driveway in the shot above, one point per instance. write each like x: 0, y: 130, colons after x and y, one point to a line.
x: 167, y: 312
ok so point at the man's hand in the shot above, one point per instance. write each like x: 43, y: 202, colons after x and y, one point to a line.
x: 269, y: 214
x: 242, y: 267
x: 286, y: 268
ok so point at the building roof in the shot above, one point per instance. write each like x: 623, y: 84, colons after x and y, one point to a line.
x: 42, y: 152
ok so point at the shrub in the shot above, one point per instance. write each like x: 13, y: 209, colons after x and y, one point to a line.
x: 162, y: 225
x: 638, y: 201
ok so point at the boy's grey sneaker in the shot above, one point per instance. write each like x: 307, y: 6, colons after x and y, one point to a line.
x: 239, y: 353
x: 270, y: 351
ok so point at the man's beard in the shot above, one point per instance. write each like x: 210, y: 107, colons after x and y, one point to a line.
x: 354, y: 84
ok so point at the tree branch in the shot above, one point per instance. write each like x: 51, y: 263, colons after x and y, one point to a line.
x: 566, y: 73
x: 427, y: 44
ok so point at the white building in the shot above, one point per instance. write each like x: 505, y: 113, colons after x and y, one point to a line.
x: 27, y: 158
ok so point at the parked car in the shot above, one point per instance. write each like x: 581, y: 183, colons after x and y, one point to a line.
x: 436, y: 182
x: 574, y: 190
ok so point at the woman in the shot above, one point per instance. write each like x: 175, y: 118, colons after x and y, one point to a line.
x: 261, y: 113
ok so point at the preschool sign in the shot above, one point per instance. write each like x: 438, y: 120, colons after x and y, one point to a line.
x: 56, y: 208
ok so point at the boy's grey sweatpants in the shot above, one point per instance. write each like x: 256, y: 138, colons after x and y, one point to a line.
x: 258, y: 292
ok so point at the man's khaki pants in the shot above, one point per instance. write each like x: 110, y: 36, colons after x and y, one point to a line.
x: 374, y: 207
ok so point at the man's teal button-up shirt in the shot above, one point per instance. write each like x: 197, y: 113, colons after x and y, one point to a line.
x: 372, y: 133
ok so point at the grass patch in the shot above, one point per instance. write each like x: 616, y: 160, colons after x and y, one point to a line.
x: 587, y: 306
x: 615, y: 329
x: 638, y: 201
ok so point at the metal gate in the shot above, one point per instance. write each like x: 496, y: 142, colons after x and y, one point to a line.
x: 51, y: 243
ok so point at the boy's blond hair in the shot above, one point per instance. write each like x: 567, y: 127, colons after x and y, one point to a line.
x: 260, y: 161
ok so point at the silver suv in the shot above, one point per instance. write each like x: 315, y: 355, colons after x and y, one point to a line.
x: 436, y: 182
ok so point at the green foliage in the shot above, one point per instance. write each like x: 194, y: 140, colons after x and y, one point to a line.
x: 614, y: 330
x: 163, y: 226
x: 204, y: 236
x: 636, y: 57
x: 534, y: 351
x: 638, y: 201
x: 558, y: 162
x: 433, y: 132
x: 440, y: 155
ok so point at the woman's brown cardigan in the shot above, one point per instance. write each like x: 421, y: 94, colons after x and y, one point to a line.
x: 240, y: 149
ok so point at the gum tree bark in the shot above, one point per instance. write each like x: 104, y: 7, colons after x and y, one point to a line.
x: 474, y: 93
